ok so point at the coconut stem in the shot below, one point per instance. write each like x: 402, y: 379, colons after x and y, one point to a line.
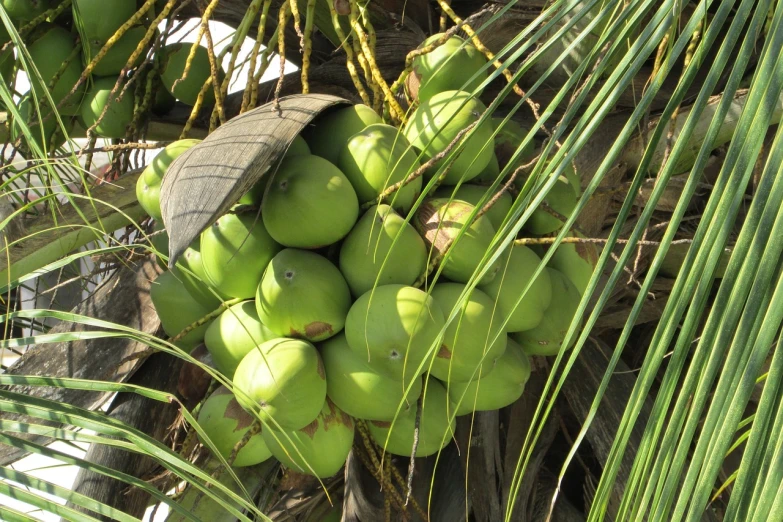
x: 214, y: 66
x: 412, y: 465
x: 236, y: 44
x: 525, y: 241
x: 307, y: 44
x: 49, y: 14
x: 204, y: 320
x: 254, y: 430
x: 349, y: 55
x: 282, y: 20
x: 194, y: 48
x: 251, y: 84
x: 443, y: 17
x: 196, y: 108
x: 366, y: 47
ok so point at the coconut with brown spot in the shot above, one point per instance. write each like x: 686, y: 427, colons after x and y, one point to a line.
x: 226, y: 424
x: 303, y: 295
x: 318, y: 449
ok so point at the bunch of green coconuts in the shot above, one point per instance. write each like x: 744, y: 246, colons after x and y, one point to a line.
x: 61, y: 48
x: 330, y: 327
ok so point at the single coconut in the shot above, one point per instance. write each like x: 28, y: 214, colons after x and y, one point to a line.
x: 48, y: 136
x: 52, y: 46
x: 115, y: 59
x: 235, y: 251
x: 438, y: 121
x: 25, y: 10
x: 119, y: 115
x: 562, y: 198
x: 320, y: 448
x: 148, y: 185
x: 436, y: 427
x: 329, y: 134
x: 497, y: 389
x: 187, y: 90
x: 382, y: 249
x: 303, y: 295
x: 577, y: 261
x: 177, y: 310
x: 309, y: 203
x: 255, y: 195
x: 190, y: 270
x: 547, y: 337
x: 453, y: 65
x: 478, y: 195
x: 233, y: 334
x: 285, y: 380
x: 375, y: 159
x: 509, y: 137
x: 475, y: 337
x: 440, y: 222
x: 99, y: 21
x: 226, y: 424
x: 361, y: 391
x: 395, y: 329
x: 523, y: 311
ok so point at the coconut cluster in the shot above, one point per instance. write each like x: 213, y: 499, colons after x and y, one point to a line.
x: 61, y: 48
x: 338, y: 319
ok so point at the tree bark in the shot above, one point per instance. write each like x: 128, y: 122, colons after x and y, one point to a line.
x: 123, y: 299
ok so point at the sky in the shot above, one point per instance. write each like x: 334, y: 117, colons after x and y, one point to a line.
x: 52, y: 470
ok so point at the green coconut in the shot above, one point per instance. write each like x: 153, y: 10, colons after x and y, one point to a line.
x: 320, y: 449
x: 474, y: 339
x: 235, y: 251
x: 523, y: 312
x: 148, y: 185
x: 233, y: 334
x: 100, y: 21
x: 285, y: 380
x: 115, y: 122
x: 577, y: 261
x: 508, y: 139
x: 369, y: 253
x: 450, y: 66
x: 25, y: 10
x: 547, y: 337
x: 376, y: 158
x: 481, y: 195
x: 159, y: 239
x: 226, y: 424
x: 358, y: 389
x: 51, y: 46
x: 48, y: 136
x: 177, y: 310
x: 394, y: 328
x: 255, y: 195
x: 490, y: 173
x: 187, y: 91
x: 303, y: 295
x: 190, y: 270
x: 562, y: 199
x: 309, y: 203
x: 329, y: 134
x: 440, y: 222
x: 436, y: 427
x: 118, y: 55
x: 497, y: 389
x: 436, y: 123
